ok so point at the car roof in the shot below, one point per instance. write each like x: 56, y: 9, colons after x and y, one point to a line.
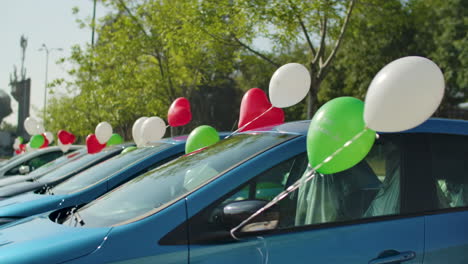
x: 183, y: 138
x: 442, y: 126
x: 432, y: 125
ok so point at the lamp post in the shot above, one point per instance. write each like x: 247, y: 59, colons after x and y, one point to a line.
x: 47, y: 50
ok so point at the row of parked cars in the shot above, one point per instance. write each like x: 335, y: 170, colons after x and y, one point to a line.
x: 406, y: 202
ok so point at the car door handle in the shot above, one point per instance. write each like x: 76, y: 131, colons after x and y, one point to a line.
x: 393, y: 256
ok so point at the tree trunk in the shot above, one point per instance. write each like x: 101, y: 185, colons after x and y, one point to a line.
x: 312, y: 102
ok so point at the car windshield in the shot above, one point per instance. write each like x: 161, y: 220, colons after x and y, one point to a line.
x: 56, y: 163
x: 168, y: 183
x: 106, y: 169
x: 74, y: 165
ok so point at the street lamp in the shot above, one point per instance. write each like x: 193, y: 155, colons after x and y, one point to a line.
x: 47, y: 50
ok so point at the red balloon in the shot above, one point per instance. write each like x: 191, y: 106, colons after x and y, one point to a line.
x: 22, y: 147
x: 254, y: 103
x: 93, y: 144
x: 46, y: 142
x: 179, y: 112
x: 18, y: 151
x: 66, y: 137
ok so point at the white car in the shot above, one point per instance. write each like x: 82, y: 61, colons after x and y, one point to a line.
x: 25, y: 163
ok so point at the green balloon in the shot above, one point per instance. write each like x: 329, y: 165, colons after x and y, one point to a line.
x: 115, y: 139
x: 201, y: 137
x: 129, y: 149
x: 36, y: 141
x: 20, y: 139
x: 332, y: 127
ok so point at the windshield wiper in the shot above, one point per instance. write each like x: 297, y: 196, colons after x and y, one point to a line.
x: 75, y: 216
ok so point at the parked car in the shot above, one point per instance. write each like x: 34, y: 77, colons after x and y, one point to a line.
x: 61, y: 173
x: 406, y: 201
x: 32, y: 160
x: 92, y: 182
x: 48, y: 167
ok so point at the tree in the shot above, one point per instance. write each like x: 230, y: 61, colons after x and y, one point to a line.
x: 321, y: 25
x: 146, y: 56
x: 380, y: 32
x: 441, y: 35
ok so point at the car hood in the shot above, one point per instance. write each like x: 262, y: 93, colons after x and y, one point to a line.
x: 28, y: 204
x: 14, y: 179
x: 17, y: 188
x: 39, y: 240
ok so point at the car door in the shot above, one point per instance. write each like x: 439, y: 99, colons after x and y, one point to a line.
x: 209, y: 241
x: 352, y: 216
x: 446, y: 223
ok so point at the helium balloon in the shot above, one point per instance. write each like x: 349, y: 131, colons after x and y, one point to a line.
x: 66, y: 137
x: 49, y: 136
x: 129, y: 149
x: 36, y: 141
x: 115, y: 139
x: 63, y: 147
x: 30, y: 125
x: 40, y: 129
x: 332, y: 127
x: 253, y: 108
x: 17, y: 143
x: 289, y: 85
x: 403, y: 94
x: 136, y: 130
x: 46, y: 142
x: 93, y: 144
x: 201, y: 137
x: 28, y: 147
x: 152, y: 129
x: 103, y: 132
x: 179, y: 113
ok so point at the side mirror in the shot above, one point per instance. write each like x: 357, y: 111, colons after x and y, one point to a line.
x: 24, y: 169
x: 235, y: 212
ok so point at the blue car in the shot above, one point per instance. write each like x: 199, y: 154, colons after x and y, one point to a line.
x: 406, y: 202
x: 92, y: 182
x: 48, y: 167
x: 61, y: 172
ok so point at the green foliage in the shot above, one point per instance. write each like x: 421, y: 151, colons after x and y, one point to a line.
x: 442, y: 33
x: 150, y: 52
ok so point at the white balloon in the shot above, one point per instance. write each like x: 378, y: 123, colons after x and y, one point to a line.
x: 30, y: 125
x: 403, y: 94
x: 289, y: 85
x: 63, y: 147
x: 39, y: 129
x: 103, y: 132
x: 16, y: 144
x: 152, y: 129
x: 29, y: 148
x: 49, y: 136
x: 136, y: 130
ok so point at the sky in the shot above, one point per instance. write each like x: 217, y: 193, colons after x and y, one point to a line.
x: 49, y: 22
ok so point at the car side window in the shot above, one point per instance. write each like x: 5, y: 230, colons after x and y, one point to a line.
x: 271, y: 182
x: 369, y: 189
x: 43, y: 159
x: 35, y: 162
x: 265, y: 187
x: 450, y: 170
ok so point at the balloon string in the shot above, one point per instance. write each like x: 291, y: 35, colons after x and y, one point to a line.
x: 244, y: 126
x: 309, y: 176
